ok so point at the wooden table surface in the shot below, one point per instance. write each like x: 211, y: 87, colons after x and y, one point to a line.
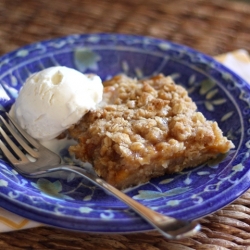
x: 213, y: 27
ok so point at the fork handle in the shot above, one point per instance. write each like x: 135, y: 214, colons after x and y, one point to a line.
x: 169, y: 227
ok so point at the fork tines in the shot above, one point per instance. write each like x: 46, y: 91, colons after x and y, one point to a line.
x: 11, y: 128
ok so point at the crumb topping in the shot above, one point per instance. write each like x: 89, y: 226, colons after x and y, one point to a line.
x: 144, y: 129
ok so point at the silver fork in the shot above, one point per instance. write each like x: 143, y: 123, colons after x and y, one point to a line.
x: 48, y: 162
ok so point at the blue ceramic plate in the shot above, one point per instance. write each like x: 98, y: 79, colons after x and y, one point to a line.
x: 75, y: 204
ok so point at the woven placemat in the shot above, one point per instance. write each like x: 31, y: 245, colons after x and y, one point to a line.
x: 213, y: 27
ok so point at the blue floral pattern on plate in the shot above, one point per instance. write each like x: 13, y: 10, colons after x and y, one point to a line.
x: 76, y: 204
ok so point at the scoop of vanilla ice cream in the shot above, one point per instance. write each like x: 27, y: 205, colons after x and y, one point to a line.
x: 53, y: 99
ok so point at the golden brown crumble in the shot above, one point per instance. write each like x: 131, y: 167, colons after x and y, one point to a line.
x: 145, y: 129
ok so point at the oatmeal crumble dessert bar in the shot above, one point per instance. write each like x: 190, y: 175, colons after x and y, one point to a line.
x: 145, y: 129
